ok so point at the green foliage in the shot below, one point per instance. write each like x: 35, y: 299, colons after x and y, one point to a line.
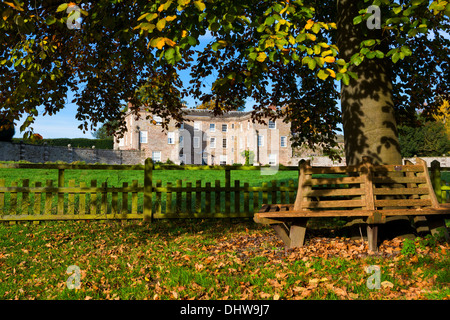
x: 75, y: 142
x: 249, y: 157
x: 409, y: 247
x: 427, y: 140
x: 271, y: 52
x: 102, y: 133
x: 7, y: 130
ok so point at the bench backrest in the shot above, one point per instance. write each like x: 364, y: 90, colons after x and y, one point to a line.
x: 365, y: 186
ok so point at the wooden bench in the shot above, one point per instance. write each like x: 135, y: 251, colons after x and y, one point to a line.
x: 372, y: 192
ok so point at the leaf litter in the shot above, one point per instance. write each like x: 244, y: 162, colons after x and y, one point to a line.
x: 209, y: 261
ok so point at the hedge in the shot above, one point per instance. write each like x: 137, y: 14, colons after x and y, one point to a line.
x: 75, y: 142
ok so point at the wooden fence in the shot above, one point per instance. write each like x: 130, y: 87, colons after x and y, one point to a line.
x: 58, y: 200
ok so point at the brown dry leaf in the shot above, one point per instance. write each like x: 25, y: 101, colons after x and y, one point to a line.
x: 276, y: 296
x: 264, y: 295
x: 387, y: 284
x: 353, y: 295
x: 306, y: 293
x: 340, y: 292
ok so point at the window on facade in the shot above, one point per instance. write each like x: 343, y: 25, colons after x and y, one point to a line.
x: 224, y: 127
x: 260, y: 141
x: 212, y: 127
x: 272, y: 159
x: 223, y: 160
x: 224, y: 143
x: 171, y: 137
x: 158, y: 120
x: 272, y: 124
x: 156, y: 156
x: 283, y: 141
x: 212, y: 143
x: 232, y: 126
x: 197, y: 125
x: 181, y: 141
x: 182, y: 126
x: 143, y: 136
x: 196, y: 142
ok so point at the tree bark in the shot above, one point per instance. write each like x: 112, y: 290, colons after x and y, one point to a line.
x: 368, y: 117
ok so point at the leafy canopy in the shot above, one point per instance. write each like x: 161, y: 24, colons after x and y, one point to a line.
x: 280, y: 53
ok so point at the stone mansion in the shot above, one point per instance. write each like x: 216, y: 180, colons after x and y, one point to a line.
x: 209, y: 140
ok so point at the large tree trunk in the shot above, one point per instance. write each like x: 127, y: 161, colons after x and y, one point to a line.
x: 370, y: 128
x: 369, y: 123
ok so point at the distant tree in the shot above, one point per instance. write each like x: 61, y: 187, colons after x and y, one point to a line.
x: 249, y: 157
x: 428, y: 140
x: 442, y: 114
x: 105, y: 132
x: 102, y: 133
x: 7, y: 130
x: 213, y: 104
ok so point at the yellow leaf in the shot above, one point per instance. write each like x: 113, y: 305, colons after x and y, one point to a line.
x: 309, y: 24
x: 329, y: 59
x: 169, y: 42
x: 333, y: 25
x: 171, y: 18
x: 158, y: 42
x: 13, y: 5
x: 261, y: 56
x: 161, y: 24
x: 311, y: 36
x: 184, y: 33
x: 331, y: 72
x: 161, y: 8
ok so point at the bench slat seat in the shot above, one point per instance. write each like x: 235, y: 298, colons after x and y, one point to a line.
x: 365, y: 190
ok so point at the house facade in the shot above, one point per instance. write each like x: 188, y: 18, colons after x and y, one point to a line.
x: 207, y: 139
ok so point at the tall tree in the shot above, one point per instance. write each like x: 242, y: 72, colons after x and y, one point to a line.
x: 282, y: 53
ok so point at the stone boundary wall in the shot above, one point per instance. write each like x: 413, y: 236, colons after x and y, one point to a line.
x: 44, y: 153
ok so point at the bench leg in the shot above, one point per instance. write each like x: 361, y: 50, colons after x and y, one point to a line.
x: 297, y: 233
x: 372, y: 237
x: 282, y: 232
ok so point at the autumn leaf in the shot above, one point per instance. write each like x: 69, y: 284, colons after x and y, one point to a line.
x: 309, y: 24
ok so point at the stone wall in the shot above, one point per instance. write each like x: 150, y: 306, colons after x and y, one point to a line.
x: 44, y: 153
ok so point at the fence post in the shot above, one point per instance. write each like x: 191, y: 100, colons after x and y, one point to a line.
x: 60, y: 205
x: 436, y: 179
x: 148, y: 189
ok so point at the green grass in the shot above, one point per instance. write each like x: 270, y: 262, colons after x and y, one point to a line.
x: 210, y: 259
x: 117, y: 177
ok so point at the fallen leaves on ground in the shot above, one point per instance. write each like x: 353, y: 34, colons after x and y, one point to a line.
x: 206, y: 260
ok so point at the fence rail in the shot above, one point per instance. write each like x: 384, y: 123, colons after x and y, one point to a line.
x: 57, y: 200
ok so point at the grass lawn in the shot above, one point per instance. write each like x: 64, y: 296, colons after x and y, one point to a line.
x: 211, y: 259
x: 117, y: 177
